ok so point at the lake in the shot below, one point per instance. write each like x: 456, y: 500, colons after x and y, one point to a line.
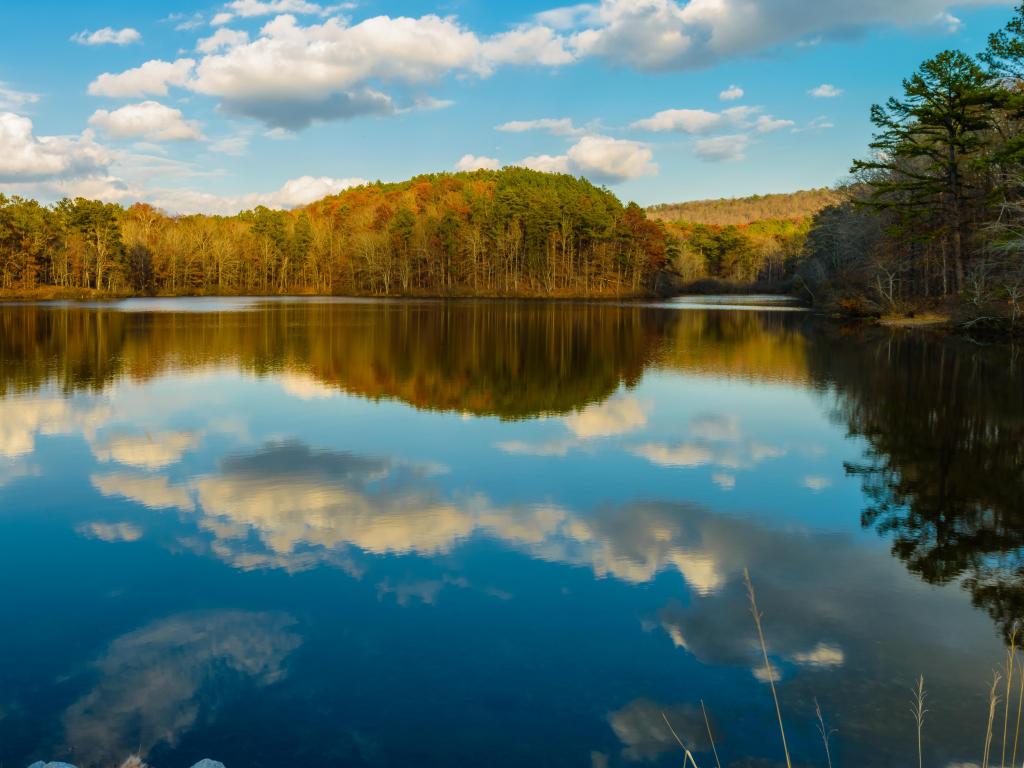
x: 426, y: 533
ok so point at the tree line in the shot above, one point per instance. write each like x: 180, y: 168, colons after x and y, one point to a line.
x: 510, y: 232
x: 935, y: 212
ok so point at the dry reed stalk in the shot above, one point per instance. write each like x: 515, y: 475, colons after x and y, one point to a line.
x: 993, y: 702
x: 1016, y: 731
x: 826, y: 734
x: 687, y: 755
x: 1010, y: 656
x: 767, y: 663
x: 707, y: 724
x: 918, y: 711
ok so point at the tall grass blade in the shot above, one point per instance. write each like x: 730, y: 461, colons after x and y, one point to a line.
x: 711, y: 737
x: 993, y: 702
x: 767, y: 663
x: 919, y: 711
x: 826, y: 733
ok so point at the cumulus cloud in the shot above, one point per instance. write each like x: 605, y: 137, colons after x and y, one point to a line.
x: 660, y: 35
x: 602, y: 158
x: 292, y: 194
x: 526, y: 45
x: 546, y: 163
x: 27, y: 157
x: 293, y: 74
x: 599, y: 158
x: 149, y: 120
x: 222, y: 38
x: 477, y: 163
x: 700, y: 121
x: 722, y: 148
x: 732, y: 93
x: 108, y: 36
x: 556, y: 126
x: 825, y: 91
x: 151, y: 78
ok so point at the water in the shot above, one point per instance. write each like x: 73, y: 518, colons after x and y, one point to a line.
x: 503, y: 534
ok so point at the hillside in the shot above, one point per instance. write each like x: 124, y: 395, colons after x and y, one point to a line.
x: 513, y: 232
x: 792, y: 206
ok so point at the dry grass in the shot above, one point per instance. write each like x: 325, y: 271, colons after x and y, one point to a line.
x: 1014, y: 670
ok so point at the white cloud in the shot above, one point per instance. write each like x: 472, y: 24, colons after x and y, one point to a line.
x: 825, y: 91
x: 13, y: 99
x: 556, y: 126
x: 26, y: 157
x: 153, y: 77
x: 546, y: 163
x: 294, y: 193
x: 250, y: 8
x: 222, y: 38
x: 221, y: 18
x: 769, y: 124
x: 527, y: 45
x: 108, y: 36
x: 148, y: 120
x: 722, y: 148
x: 952, y: 23
x: 599, y: 158
x: 697, y: 121
x: 292, y: 74
x: 605, y: 159
x: 732, y: 93
x: 672, y: 34
x: 475, y: 163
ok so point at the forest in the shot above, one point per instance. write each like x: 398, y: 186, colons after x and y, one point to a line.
x: 933, y: 216
x: 788, y: 206
x: 513, y: 232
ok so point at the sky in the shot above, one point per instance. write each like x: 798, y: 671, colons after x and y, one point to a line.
x: 216, y: 107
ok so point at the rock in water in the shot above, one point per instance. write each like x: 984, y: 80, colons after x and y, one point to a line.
x: 41, y: 764
x: 207, y: 763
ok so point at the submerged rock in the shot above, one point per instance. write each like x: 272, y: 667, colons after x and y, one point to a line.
x: 41, y: 764
x: 207, y: 763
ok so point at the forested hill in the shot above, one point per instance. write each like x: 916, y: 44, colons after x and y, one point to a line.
x: 513, y: 232
x: 792, y: 206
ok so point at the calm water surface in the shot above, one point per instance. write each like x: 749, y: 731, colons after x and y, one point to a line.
x: 503, y: 534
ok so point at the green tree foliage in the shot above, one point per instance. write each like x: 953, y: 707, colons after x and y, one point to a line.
x: 937, y: 212
x: 510, y: 232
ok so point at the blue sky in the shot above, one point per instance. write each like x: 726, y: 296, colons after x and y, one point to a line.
x: 199, y: 106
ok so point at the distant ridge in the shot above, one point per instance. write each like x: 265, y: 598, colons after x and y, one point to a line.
x: 794, y: 206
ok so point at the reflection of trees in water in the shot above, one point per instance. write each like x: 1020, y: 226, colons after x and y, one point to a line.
x: 944, y: 421
x: 944, y: 469
x: 510, y: 359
